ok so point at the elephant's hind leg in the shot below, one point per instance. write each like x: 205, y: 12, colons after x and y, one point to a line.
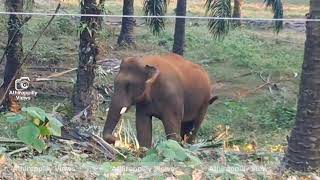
x: 197, y: 123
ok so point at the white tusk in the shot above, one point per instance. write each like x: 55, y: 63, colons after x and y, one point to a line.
x: 123, y: 110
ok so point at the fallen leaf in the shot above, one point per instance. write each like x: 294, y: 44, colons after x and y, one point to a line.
x: 277, y: 148
x: 249, y: 148
x: 178, y: 173
x: 2, y: 159
x: 197, y: 174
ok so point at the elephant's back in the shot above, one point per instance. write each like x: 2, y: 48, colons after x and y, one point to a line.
x: 194, y: 80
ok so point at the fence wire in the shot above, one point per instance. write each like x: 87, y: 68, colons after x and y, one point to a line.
x: 168, y: 17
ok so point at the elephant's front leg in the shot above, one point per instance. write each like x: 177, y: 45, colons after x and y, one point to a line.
x: 144, y: 128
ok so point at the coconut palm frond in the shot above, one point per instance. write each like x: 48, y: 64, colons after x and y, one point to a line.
x: 277, y: 10
x: 220, y: 9
x: 155, y: 8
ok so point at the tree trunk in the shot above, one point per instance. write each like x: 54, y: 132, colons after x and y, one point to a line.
x: 237, y: 12
x: 304, y: 143
x: 84, y: 95
x: 126, y: 35
x: 14, y: 53
x: 179, y: 30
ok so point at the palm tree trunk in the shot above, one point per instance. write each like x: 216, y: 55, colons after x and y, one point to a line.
x: 304, y: 143
x: 14, y: 53
x: 84, y: 93
x: 179, y: 30
x: 237, y: 12
x: 126, y: 35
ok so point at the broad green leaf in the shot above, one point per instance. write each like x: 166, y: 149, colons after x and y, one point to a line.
x: 14, y: 118
x: 180, y: 152
x: 39, y: 145
x: 151, y: 151
x: 35, y: 112
x: 193, y: 161
x: 44, y: 131
x: 54, y: 125
x: 151, y: 160
x: 169, y: 154
x: 28, y: 133
x: 174, y: 145
x: 181, y: 156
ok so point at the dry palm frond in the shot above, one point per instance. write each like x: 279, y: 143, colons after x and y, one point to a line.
x: 127, y: 136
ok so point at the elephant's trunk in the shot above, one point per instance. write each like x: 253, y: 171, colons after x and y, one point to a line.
x: 113, y: 117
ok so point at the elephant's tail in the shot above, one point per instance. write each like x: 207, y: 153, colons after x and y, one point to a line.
x: 212, y: 97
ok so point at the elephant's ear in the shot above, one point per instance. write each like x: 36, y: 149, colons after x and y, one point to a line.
x: 152, y: 75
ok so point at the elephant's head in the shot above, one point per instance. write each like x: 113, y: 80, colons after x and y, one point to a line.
x: 132, y: 85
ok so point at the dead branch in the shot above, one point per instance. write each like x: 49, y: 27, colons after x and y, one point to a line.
x: 105, y: 151
x: 26, y: 148
x: 103, y: 142
x: 237, y: 76
x: 55, y: 75
x: 6, y: 140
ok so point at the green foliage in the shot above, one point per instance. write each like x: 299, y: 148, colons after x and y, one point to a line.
x: 170, y: 151
x: 277, y: 10
x: 242, y: 115
x: 155, y: 8
x: 36, y: 126
x: 60, y: 26
x: 243, y: 48
x: 65, y: 25
x: 220, y: 9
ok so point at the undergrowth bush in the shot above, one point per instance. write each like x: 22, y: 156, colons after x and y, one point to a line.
x: 35, y: 126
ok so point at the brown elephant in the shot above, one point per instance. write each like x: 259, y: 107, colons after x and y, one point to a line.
x: 168, y: 87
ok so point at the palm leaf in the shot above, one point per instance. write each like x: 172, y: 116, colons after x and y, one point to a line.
x: 277, y: 10
x: 155, y: 8
x: 221, y: 9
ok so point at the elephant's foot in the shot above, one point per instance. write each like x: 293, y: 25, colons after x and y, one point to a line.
x: 109, y: 138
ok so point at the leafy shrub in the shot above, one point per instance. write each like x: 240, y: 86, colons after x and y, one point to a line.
x: 36, y: 126
x: 61, y: 25
x: 170, y: 151
x: 65, y: 25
